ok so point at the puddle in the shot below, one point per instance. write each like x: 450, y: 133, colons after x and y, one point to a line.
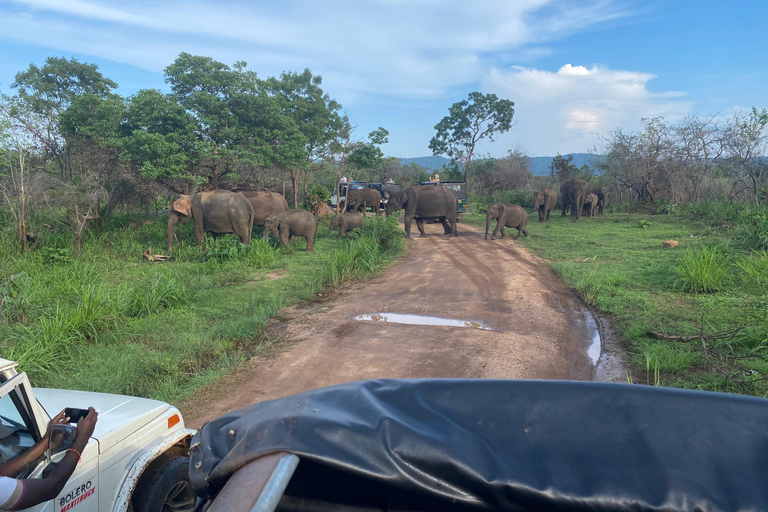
x: 594, y: 346
x: 401, y: 318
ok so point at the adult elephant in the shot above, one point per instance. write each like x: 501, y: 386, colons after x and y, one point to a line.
x: 292, y: 223
x: 602, y: 196
x: 544, y: 201
x: 362, y: 198
x: 590, y: 205
x: 506, y: 215
x: 264, y: 204
x: 424, y: 202
x: 573, y: 192
x: 214, y: 211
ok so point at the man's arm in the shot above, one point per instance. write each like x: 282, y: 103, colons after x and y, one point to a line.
x: 13, y: 466
x: 41, y: 490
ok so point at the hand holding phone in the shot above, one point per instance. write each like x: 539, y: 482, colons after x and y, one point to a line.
x: 75, y: 414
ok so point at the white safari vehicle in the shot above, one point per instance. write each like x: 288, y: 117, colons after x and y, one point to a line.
x: 137, y: 458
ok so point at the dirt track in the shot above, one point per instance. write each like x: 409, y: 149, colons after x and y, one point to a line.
x: 539, y: 326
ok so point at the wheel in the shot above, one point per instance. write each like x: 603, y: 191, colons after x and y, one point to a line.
x: 165, y: 487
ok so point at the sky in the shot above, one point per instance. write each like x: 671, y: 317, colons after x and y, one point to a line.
x: 576, y: 70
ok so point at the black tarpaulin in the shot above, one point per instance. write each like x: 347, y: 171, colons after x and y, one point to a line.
x: 443, y: 444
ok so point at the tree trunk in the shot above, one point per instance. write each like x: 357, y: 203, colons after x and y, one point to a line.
x: 295, y: 177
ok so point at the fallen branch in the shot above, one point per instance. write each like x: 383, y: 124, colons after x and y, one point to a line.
x: 153, y: 257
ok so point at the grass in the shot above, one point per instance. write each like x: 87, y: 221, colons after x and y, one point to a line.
x: 716, y: 280
x: 111, y: 321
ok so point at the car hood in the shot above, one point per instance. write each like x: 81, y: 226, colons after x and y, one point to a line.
x: 119, y: 415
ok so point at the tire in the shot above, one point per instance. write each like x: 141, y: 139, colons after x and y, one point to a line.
x: 165, y: 487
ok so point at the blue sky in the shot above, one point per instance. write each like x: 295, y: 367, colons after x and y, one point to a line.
x: 575, y: 69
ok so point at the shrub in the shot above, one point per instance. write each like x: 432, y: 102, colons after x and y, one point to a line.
x: 754, y: 268
x: 160, y: 294
x: 385, y: 231
x: 752, y: 232
x: 701, y: 271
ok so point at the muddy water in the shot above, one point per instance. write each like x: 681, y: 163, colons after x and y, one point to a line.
x: 401, y: 318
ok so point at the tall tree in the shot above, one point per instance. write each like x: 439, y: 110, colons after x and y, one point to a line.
x: 49, y: 90
x: 467, y: 123
x: 315, y: 115
x: 746, y: 140
x: 17, y: 147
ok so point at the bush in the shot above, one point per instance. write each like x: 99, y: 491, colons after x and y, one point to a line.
x: 701, y: 271
x: 147, y: 299
x: 752, y: 233
x: 754, y: 268
x: 385, y: 231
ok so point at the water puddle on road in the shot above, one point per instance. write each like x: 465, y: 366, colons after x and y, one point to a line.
x: 401, y: 318
x: 594, y: 346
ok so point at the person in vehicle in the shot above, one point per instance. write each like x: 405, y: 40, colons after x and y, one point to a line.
x: 19, y: 494
x: 343, y: 180
x: 435, y: 178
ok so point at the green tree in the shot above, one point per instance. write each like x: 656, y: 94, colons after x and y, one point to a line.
x: 467, y: 123
x: 234, y: 120
x: 367, y: 155
x: 315, y: 115
x: 49, y: 90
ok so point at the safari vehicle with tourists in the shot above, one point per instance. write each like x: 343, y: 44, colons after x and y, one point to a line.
x: 360, y: 185
x: 137, y: 458
x: 442, y: 445
x: 459, y: 187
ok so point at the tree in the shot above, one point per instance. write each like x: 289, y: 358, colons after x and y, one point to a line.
x: 496, y: 175
x: 700, y: 143
x: 234, y: 120
x: 467, y: 123
x: 367, y: 155
x: 49, y: 90
x: 17, y: 146
x: 746, y: 140
x: 315, y: 115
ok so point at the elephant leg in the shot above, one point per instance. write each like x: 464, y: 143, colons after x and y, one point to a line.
x: 502, y: 231
x: 420, y: 225
x: 496, y: 229
x: 310, y: 242
x: 446, y: 228
x: 564, y: 206
x: 519, y: 232
x: 407, y: 225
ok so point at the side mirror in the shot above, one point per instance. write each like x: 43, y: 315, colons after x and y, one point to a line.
x: 62, y: 438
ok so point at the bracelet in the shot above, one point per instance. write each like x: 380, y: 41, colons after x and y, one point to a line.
x: 79, y: 455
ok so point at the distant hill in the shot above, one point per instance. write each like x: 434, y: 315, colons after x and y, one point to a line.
x: 539, y: 164
x: 427, y: 162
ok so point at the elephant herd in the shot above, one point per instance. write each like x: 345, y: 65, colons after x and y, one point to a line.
x: 220, y: 211
x: 574, y: 194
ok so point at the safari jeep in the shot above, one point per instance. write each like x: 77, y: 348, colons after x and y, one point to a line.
x: 137, y: 458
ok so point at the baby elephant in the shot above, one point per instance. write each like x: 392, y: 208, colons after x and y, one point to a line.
x: 506, y: 215
x: 291, y: 223
x: 346, y: 223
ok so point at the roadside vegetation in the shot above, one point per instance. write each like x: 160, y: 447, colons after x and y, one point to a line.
x: 111, y: 321
x: 708, y: 296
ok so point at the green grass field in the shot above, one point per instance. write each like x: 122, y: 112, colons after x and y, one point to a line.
x: 708, y: 284
x: 111, y: 321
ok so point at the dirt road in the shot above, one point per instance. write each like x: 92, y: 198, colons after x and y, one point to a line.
x: 540, y: 329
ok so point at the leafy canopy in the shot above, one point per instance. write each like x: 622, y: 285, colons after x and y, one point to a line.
x: 469, y: 121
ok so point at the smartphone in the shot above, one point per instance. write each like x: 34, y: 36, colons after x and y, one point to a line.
x: 75, y: 414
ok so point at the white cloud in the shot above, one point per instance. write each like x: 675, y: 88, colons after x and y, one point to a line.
x: 566, y: 110
x: 398, y: 48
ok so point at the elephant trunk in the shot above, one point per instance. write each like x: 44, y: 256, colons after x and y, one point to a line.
x: 487, y: 224
x: 172, y: 221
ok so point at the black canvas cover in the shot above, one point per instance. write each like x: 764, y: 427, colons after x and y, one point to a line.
x: 503, y: 445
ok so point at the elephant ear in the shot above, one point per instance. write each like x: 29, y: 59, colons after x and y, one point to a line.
x: 183, y: 206
x: 501, y: 209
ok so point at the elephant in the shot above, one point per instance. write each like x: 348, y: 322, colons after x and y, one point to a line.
x: 573, y: 193
x: 423, y: 202
x: 590, y: 205
x: 362, y: 198
x: 544, y: 201
x: 213, y: 211
x: 346, y: 223
x: 264, y: 204
x: 506, y: 215
x: 292, y: 223
x: 602, y: 196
